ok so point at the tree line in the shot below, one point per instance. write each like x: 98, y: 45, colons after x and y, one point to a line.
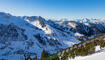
x: 81, y: 49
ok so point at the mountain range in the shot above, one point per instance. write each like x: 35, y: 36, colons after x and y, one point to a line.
x: 31, y: 35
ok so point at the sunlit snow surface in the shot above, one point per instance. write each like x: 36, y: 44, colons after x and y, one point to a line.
x: 99, y: 55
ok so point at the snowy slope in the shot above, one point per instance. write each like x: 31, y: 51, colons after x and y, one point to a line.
x: 99, y: 55
x: 18, y: 36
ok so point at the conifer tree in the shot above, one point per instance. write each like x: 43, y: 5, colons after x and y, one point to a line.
x: 55, y: 57
x: 83, y: 51
x: 35, y: 57
x: 44, y: 55
x: 91, y: 48
x: 71, y: 54
x: 102, y: 43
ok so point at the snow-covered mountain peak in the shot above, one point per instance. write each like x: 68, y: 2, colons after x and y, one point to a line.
x: 85, y: 20
x: 36, y: 20
x: 2, y: 14
x: 32, y: 18
x: 5, y: 15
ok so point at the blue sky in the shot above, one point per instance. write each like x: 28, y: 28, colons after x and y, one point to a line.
x: 55, y: 8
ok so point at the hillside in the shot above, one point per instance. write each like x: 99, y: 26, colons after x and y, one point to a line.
x: 81, y: 50
x: 99, y: 55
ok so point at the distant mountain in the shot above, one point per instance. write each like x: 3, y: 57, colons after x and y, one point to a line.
x: 84, y: 27
x: 31, y: 34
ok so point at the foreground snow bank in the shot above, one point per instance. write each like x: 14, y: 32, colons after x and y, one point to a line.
x: 99, y: 55
x: 96, y: 56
